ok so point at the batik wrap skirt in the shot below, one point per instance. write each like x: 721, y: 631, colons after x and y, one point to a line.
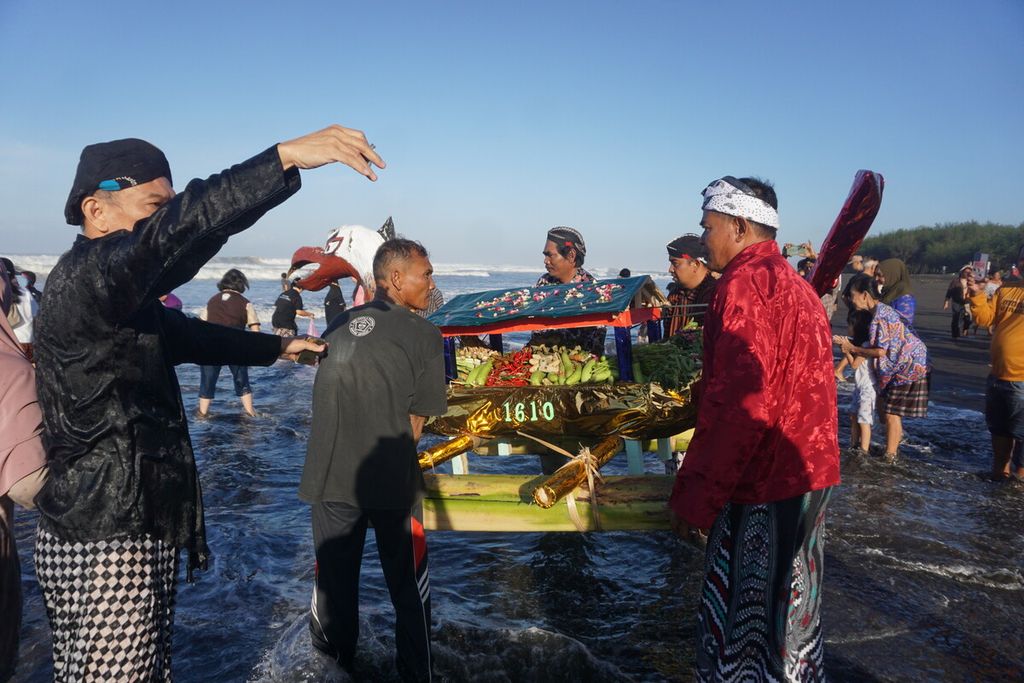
x: 759, y: 616
x: 110, y: 605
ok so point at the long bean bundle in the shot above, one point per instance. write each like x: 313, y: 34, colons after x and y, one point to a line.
x: 673, y: 363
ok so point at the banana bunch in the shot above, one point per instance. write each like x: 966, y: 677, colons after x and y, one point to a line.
x: 468, y: 360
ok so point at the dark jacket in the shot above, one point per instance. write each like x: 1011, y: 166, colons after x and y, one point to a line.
x: 115, y: 431
x: 334, y: 302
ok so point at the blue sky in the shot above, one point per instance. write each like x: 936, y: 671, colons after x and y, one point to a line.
x: 500, y: 120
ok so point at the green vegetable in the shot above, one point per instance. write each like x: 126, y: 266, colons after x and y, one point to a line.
x: 672, y: 364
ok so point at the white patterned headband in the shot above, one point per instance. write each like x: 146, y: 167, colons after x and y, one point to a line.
x: 725, y: 197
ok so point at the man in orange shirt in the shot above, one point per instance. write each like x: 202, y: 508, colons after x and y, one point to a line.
x: 1004, y: 395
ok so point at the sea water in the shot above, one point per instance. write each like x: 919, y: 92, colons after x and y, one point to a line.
x: 923, y: 560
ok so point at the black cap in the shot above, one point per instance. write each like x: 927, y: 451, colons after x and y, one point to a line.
x: 688, y: 246
x: 114, y: 165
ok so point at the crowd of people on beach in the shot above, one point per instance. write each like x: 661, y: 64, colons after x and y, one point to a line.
x: 95, y: 432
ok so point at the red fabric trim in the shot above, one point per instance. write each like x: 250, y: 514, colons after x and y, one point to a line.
x: 627, y: 318
x: 419, y: 542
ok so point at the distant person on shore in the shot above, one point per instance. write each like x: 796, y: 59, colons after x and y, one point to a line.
x: 284, y: 282
x: 30, y: 285
x: 1004, y: 395
x: 958, y: 303
x: 231, y: 309
x: 900, y: 363
x: 853, y: 268
x: 334, y: 302
x: 383, y: 377
x: 22, y: 471
x: 895, y: 288
x: 870, y: 266
x: 804, y: 267
x: 692, y: 280
x: 625, y: 272
x: 994, y: 283
x: 122, y: 497
x: 862, y: 400
x: 23, y: 309
x: 765, y: 453
x: 288, y: 305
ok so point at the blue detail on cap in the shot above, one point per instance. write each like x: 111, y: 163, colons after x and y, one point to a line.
x: 109, y: 185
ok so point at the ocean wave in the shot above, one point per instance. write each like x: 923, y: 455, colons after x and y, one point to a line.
x: 264, y: 268
x: 999, y: 577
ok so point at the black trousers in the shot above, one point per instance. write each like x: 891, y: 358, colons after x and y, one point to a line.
x: 339, y: 533
x: 961, y: 321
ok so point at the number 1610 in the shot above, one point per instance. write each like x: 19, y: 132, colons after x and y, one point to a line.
x: 532, y: 411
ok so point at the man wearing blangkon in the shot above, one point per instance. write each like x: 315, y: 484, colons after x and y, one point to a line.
x: 383, y: 375
x: 123, y: 495
x: 765, y: 452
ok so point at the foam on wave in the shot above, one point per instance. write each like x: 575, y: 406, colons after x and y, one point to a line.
x: 261, y: 268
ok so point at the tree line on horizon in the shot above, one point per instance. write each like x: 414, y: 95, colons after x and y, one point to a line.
x: 927, y: 249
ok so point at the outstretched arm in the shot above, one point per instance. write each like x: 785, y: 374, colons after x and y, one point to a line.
x: 169, y: 247
x: 190, y: 340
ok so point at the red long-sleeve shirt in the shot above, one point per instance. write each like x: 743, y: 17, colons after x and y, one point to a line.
x: 767, y: 422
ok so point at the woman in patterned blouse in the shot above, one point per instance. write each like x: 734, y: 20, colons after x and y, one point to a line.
x: 901, y: 362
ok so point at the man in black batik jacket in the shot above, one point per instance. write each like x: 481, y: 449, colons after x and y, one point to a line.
x: 123, y: 496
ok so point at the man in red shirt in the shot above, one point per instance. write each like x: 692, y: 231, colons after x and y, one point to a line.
x: 765, y: 452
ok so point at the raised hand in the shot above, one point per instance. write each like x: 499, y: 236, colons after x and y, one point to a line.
x: 334, y: 144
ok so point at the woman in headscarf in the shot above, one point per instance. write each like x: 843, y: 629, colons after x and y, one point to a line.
x: 894, y: 279
x: 22, y: 467
x: 958, y: 298
x: 564, y: 252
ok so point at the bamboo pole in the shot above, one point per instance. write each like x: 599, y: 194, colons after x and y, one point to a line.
x: 574, y: 473
x: 504, y: 503
x: 443, y: 452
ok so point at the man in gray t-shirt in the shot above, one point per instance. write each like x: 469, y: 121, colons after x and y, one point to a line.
x: 383, y: 375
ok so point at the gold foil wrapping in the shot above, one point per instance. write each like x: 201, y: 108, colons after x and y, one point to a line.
x: 574, y: 472
x: 443, y: 452
x: 634, y: 411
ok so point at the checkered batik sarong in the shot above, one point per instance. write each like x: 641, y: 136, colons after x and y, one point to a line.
x: 906, y: 400
x: 110, y: 605
x: 759, y: 617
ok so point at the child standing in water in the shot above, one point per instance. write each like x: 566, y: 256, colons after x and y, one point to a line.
x: 862, y: 400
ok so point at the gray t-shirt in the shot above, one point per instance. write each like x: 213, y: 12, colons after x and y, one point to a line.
x: 384, y: 363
